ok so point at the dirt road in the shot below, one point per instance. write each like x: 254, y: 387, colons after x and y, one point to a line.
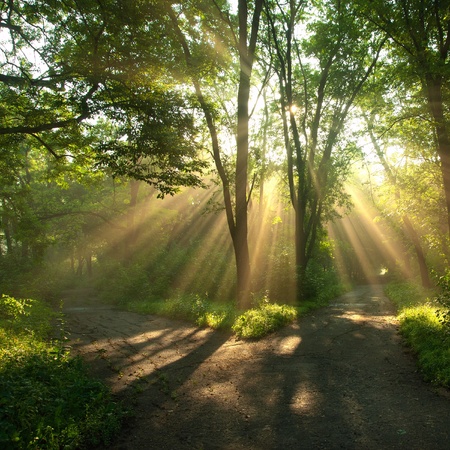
x: 338, y: 379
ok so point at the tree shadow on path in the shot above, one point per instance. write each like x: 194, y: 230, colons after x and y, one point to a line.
x: 339, y: 378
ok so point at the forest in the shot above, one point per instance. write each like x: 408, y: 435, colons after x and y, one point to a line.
x: 207, y: 159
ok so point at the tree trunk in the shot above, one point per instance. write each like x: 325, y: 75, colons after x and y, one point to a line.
x: 89, y: 264
x: 263, y: 154
x: 411, y: 232
x: 237, y: 223
x: 130, y: 239
x: 241, y: 178
x: 435, y: 103
x: 300, y: 252
x: 408, y: 227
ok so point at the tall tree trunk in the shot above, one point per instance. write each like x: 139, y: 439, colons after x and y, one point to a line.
x: 237, y: 221
x: 130, y: 239
x: 301, y: 260
x: 89, y: 264
x: 262, y: 179
x: 7, y: 232
x: 246, y: 55
x: 411, y: 232
x: 436, y: 106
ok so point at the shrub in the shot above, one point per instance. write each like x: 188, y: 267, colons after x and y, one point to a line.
x: 405, y: 294
x: 200, y: 310
x: 47, y: 399
x: 424, y: 333
x: 262, y: 320
x: 322, y: 284
x: 423, y: 330
x: 122, y: 285
x: 26, y: 315
x: 443, y: 302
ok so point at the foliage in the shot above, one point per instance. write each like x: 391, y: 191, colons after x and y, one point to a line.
x: 322, y: 284
x: 426, y: 335
x: 405, y: 294
x: 191, y: 307
x: 254, y: 323
x: 423, y: 331
x: 25, y: 315
x: 443, y: 301
x: 47, y: 400
x: 320, y: 76
x: 120, y: 285
x: 264, y: 319
x: 199, y: 310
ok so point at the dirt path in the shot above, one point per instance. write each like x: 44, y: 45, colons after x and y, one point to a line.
x: 338, y: 379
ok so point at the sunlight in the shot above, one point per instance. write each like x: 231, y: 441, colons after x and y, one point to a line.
x: 306, y: 398
x: 287, y: 345
x: 375, y: 248
x: 268, y: 228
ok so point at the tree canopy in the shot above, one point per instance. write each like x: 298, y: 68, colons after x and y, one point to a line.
x: 97, y: 97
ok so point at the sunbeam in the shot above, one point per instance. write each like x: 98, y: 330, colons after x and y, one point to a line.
x: 365, y: 249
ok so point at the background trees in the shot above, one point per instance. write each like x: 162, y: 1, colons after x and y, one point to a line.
x: 321, y: 69
x: 99, y: 98
x: 420, y: 35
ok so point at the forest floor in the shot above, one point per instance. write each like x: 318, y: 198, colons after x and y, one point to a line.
x: 338, y: 378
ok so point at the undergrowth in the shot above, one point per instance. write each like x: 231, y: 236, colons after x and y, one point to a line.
x: 423, y: 329
x: 263, y: 319
x: 255, y: 323
x: 47, y: 399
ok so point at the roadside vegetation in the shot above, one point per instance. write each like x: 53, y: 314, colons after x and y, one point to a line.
x: 425, y: 324
x: 254, y: 323
x: 47, y: 399
x: 264, y: 317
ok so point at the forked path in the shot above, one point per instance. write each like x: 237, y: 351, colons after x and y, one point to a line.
x: 339, y: 378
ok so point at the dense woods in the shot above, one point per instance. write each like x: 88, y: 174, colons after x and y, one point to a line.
x: 230, y: 162
x: 275, y: 112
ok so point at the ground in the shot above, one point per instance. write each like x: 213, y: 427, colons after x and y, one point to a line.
x: 339, y: 378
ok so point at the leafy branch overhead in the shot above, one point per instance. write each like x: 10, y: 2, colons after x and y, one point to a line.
x: 69, y: 65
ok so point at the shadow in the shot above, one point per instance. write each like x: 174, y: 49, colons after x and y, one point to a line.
x: 339, y: 378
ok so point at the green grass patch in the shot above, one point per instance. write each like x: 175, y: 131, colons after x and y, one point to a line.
x: 47, y: 399
x: 262, y: 320
x: 189, y: 307
x: 406, y: 294
x: 423, y: 331
x: 252, y: 324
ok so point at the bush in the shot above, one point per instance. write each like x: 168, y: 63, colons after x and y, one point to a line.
x: 322, y: 284
x: 262, y: 320
x: 47, y: 399
x: 423, y: 330
x: 424, y: 333
x: 122, y: 285
x: 200, y: 310
x: 443, y: 302
x: 405, y: 294
x: 26, y: 315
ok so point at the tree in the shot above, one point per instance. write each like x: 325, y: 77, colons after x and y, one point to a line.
x: 65, y: 62
x: 245, y: 42
x: 420, y: 35
x: 320, y: 76
x: 408, y: 226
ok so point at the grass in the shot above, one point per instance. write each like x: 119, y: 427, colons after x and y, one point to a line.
x: 423, y: 331
x: 47, y: 399
x: 262, y: 320
x: 255, y: 323
x: 189, y: 307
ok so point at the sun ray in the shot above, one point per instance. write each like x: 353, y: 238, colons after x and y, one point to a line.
x: 373, y: 244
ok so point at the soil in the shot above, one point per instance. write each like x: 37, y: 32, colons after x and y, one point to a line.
x: 339, y: 378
